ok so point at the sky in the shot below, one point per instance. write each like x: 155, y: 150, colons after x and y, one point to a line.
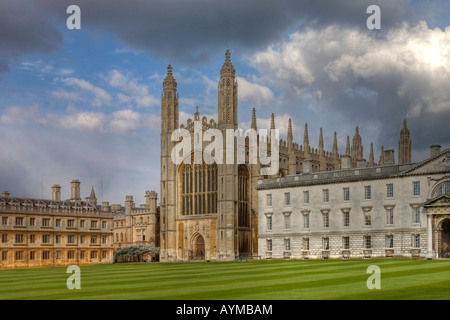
x: 85, y: 103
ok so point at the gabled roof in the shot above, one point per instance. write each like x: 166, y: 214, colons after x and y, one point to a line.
x: 428, y: 161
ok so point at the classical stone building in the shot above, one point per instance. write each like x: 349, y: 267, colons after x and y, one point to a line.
x: 42, y: 233
x: 132, y: 225
x: 383, y: 211
x: 209, y: 211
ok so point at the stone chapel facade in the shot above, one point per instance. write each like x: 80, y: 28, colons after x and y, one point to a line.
x: 210, y: 211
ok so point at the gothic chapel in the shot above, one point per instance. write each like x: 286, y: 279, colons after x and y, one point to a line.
x: 209, y: 211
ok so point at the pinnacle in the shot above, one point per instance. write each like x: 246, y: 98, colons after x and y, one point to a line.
x: 254, y: 118
x: 227, y: 68
x: 272, y: 121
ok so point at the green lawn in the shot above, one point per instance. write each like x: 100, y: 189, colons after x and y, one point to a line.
x: 251, y: 280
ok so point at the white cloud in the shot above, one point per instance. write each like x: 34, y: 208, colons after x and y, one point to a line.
x: 22, y: 115
x: 101, y: 97
x: 132, y: 90
x: 254, y: 93
x: 66, y: 95
x: 39, y: 66
x: 125, y: 121
x: 126, y: 51
x: 128, y: 121
x: 83, y: 121
x: 337, y: 57
x: 353, y: 76
x: 152, y: 122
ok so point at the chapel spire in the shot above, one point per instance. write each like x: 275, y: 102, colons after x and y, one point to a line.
x: 290, y: 137
x: 291, y: 153
x: 371, y: 156
x: 336, y: 162
x: 253, y: 126
x: 169, y: 82
x: 322, y: 162
x: 169, y: 103
x: 272, y: 122
x: 227, y: 96
x: 306, y: 143
x: 357, y: 148
x: 227, y: 69
x: 404, y: 145
x: 347, y: 146
x: 382, y: 156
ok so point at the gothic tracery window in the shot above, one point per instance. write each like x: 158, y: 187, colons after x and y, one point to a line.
x: 243, y: 197
x: 198, y: 189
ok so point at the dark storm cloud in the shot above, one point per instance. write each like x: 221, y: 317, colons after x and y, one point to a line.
x: 178, y: 30
x: 25, y: 28
x: 189, y: 31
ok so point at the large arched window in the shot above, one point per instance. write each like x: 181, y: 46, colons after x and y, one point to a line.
x: 198, y: 189
x: 244, y: 221
x: 243, y: 199
x: 442, y: 188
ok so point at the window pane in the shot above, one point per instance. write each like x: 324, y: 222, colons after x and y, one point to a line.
x: 367, y: 192
x: 346, y: 194
x: 390, y: 190
x: 269, y: 200
x: 269, y: 223
x: 346, y: 219
x: 306, y: 221
x: 325, y: 195
x: 416, y: 188
x: 287, y: 198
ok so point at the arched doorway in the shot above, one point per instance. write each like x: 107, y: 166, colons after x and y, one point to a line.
x: 445, y: 239
x: 198, y: 250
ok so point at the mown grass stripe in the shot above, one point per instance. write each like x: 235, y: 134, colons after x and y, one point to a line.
x: 291, y: 279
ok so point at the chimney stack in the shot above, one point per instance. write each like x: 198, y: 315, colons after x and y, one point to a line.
x: 105, y: 206
x: 361, y: 163
x: 5, y: 194
x: 56, y: 192
x: 75, y: 190
x: 434, y: 150
x: 345, y: 161
x: 307, y: 166
x: 389, y: 156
